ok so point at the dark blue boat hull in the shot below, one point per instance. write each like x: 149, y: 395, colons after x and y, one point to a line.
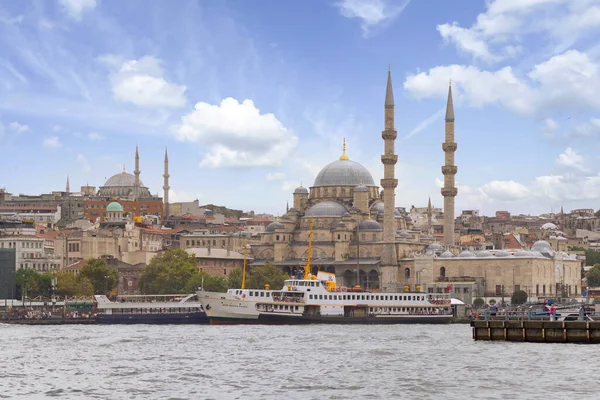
x: 154, y: 319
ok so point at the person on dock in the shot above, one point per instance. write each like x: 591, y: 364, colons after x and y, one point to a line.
x: 582, y: 312
x: 552, y: 312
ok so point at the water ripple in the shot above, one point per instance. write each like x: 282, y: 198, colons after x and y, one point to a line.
x: 274, y: 362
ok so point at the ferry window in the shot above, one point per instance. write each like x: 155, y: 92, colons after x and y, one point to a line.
x: 251, y: 293
x: 330, y: 297
x: 320, y: 297
x: 268, y: 294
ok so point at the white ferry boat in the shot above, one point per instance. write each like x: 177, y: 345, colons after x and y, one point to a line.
x: 317, y: 299
x: 150, y: 309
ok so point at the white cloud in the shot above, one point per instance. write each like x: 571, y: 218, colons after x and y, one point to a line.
x: 289, y: 186
x: 497, y: 33
x: 371, y: 12
x: 589, y: 128
x: 85, y: 165
x: 275, y: 176
x: 505, y: 190
x: 11, y: 20
x: 236, y: 134
x: 52, y: 142
x: 18, y: 128
x: 95, y: 136
x: 571, y: 159
x: 76, y: 8
x: 56, y: 128
x: 566, y: 82
x: 141, y: 82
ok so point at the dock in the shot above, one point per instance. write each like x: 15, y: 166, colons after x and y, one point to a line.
x: 50, y: 321
x: 537, y: 331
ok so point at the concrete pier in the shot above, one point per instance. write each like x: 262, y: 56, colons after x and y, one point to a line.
x: 538, y: 331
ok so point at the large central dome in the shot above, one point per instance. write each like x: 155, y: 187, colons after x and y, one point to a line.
x: 344, y: 173
x: 122, y: 179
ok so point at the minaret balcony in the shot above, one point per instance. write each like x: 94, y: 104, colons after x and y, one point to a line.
x: 449, y: 169
x: 449, y: 192
x: 389, y: 159
x: 388, y: 183
x: 389, y: 134
x: 449, y: 146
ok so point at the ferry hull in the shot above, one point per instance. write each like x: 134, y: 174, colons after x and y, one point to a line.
x: 153, y: 319
x: 274, y: 319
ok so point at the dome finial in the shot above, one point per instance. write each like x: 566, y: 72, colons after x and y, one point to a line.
x: 300, y: 183
x: 123, y: 168
x: 344, y: 156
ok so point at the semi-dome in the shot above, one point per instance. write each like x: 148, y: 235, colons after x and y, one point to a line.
x: 502, y: 253
x: 122, y: 179
x: 543, y: 247
x: 484, y: 253
x: 403, y: 233
x: 549, y: 226
x: 446, y: 254
x: 327, y: 209
x: 378, y: 206
x: 114, y: 207
x: 344, y: 173
x: 434, y: 247
x: 301, y: 189
x: 369, y: 225
x: 466, y: 254
x: 522, y: 253
x: 361, y: 188
x: 274, y: 225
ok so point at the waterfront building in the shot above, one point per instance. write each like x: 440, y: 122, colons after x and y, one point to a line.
x: 218, y: 262
x: 30, y: 252
x: 8, y: 262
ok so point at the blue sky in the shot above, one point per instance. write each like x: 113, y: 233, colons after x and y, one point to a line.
x: 253, y: 97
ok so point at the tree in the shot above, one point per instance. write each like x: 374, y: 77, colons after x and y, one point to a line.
x: 492, y: 302
x: 478, y: 302
x: 169, y: 273
x: 66, y: 284
x: 592, y: 257
x: 27, y: 282
x: 45, y: 284
x: 519, y: 297
x: 102, y: 276
x: 235, y: 279
x: 210, y: 283
x: 266, y: 274
x: 593, y: 276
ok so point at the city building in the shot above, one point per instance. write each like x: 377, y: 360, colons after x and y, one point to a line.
x: 216, y: 261
x: 8, y: 262
x: 129, y: 191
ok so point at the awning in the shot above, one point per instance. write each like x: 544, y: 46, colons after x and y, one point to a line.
x: 456, y: 302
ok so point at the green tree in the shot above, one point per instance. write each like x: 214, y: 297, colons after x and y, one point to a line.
x: 169, y: 273
x: 478, y: 302
x: 45, y: 284
x: 592, y: 257
x: 211, y: 283
x: 66, y: 284
x: 492, y: 302
x: 266, y: 274
x: 27, y: 282
x: 102, y: 276
x: 235, y: 279
x: 519, y: 297
x: 593, y: 276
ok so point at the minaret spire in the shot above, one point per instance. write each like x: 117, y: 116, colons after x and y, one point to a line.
x: 166, y: 187
x: 68, y: 188
x: 344, y: 156
x: 389, y: 262
x: 429, y: 215
x: 136, y: 172
x: 449, y: 170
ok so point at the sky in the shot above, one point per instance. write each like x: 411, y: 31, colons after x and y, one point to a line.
x: 254, y: 97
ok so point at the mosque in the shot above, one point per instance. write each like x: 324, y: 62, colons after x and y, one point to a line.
x: 360, y: 235
x: 132, y: 196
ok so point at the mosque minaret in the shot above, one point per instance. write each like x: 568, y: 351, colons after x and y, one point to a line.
x: 166, y: 186
x: 389, y: 262
x: 449, y: 170
x: 136, y: 173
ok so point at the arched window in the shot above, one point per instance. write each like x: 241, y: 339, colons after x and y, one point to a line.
x: 442, y: 272
x: 407, y: 273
